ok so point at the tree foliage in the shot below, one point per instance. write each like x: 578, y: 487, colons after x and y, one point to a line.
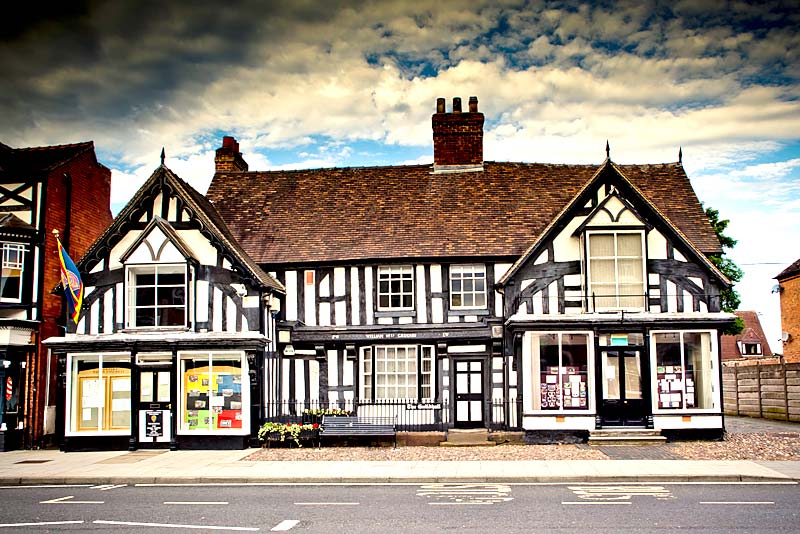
x: 729, y: 298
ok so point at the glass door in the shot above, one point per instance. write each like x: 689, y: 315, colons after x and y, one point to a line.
x: 622, y: 402
x: 155, y: 407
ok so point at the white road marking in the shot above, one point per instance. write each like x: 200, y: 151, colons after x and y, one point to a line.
x: 286, y: 524
x: 620, y: 493
x: 460, y: 503
x: 106, y: 487
x: 326, y: 504
x: 170, y: 525
x: 737, y: 502
x: 68, y: 500
x: 195, y: 502
x: 43, y: 523
x: 47, y: 486
x: 465, y: 493
x: 595, y: 502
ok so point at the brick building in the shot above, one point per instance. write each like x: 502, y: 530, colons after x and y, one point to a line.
x: 42, y: 189
x: 789, y: 282
x: 749, y: 345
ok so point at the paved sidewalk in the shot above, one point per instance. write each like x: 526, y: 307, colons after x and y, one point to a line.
x: 191, y: 467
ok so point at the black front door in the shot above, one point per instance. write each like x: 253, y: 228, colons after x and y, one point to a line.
x: 623, y: 395
x: 469, y: 393
x: 154, y: 407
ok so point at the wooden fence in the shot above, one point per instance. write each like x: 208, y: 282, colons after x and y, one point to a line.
x: 770, y: 391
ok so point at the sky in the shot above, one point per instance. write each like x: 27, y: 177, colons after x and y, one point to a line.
x: 305, y: 84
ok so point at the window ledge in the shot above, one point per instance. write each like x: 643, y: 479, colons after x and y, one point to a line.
x: 396, y: 313
x: 468, y: 311
x: 155, y: 329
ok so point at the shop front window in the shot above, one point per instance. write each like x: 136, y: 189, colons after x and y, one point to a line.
x: 560, y: 371
x: 99, y: 393
x: 684, y: 375
x: 214, y: 392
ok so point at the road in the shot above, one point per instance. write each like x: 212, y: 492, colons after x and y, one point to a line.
x: 418, y: 508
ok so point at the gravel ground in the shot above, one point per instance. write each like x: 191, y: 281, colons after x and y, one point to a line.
x: 745, y: 446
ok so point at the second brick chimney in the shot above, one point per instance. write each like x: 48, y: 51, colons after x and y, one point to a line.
x: 228, y: 158
x: 457, y: 136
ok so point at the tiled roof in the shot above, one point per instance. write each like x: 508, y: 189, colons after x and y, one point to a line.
x: 15, y: 160
x: 752, y: 333
x: 791, y: 270
x: 361, y: 213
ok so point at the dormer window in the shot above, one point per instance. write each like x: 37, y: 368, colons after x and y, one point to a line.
x: 616, y: 276
x: 11, y: 281
x: 156, y: 296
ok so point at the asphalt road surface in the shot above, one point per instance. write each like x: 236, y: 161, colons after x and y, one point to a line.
x: 401, y: 508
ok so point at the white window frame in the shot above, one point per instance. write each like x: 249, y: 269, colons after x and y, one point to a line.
x: 713, y: 374
x: 18, y: 249
x: 528, y: 370
x: 616, y: 257
x: 472, y: 269
x: 131, y: 307
x: 71, y: 391
x: 368, y: 388
x: 245, y: 392
x: 393, y: 272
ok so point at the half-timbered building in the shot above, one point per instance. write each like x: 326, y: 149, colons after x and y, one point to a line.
x: 176, y: 333
x: 42, y: 189
x: 550, y: 298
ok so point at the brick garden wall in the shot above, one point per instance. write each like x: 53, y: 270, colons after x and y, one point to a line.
x: 769, y: 391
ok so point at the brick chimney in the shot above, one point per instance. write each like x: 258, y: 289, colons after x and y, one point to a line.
x: 457, y: 136
x: 228, y: 158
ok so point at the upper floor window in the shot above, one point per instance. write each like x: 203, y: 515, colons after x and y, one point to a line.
x: 467, y: 286
x: 616, y: 270
x: 396, y: 288
x: 156, y: 296
x: 11, y: 281
x: 751, y: 349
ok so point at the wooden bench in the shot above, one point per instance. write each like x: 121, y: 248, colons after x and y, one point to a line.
x: 344, y: 427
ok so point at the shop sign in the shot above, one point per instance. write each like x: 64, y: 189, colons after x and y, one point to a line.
x: 424, y: 406
x: 619, y: 340
x: 154, y: 423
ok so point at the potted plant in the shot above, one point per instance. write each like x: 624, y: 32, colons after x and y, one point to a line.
x: 270, y: 431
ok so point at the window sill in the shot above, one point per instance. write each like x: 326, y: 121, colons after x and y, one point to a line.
x: 468, y: 311
x: 154, y: 329
x: 395, y: 313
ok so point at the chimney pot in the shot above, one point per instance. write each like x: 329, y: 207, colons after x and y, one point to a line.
x: 473, y: 104
x: 440, y: 105
x: 228, y: 142
x: 457, y: 136
x: 457, y: 104
x: 228, y: 158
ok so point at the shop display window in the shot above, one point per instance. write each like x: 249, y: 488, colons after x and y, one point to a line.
x: 560, y: 370
x: 683, y: 370
x: 99, y: 393
x: 214, y: 392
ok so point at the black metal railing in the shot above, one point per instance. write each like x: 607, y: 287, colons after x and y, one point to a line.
x: 412, y: 415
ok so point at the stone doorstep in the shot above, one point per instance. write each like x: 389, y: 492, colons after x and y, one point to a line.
x: 623, y: 436
x: 458, y: 437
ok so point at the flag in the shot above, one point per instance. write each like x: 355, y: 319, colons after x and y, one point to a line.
x: 71, y: 280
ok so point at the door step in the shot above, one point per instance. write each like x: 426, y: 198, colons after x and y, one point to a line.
x: 626, y: 436
x: 471, y: 437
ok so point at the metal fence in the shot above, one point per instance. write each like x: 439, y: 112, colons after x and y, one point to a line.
x: 412, y: 415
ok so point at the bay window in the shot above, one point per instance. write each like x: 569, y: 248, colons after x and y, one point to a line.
x: 214, y: 392
x: 99, y: 393
x: 684, y: 370
x: 560, y: 371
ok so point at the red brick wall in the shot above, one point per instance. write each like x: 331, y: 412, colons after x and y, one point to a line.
x: 457, y: 138
x: 90, y: 216
x: 790, y: 318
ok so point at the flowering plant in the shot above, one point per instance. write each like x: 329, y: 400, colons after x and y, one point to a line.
x: 293, y: 430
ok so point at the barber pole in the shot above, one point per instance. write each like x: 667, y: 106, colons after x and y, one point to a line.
x: 9, y: 389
